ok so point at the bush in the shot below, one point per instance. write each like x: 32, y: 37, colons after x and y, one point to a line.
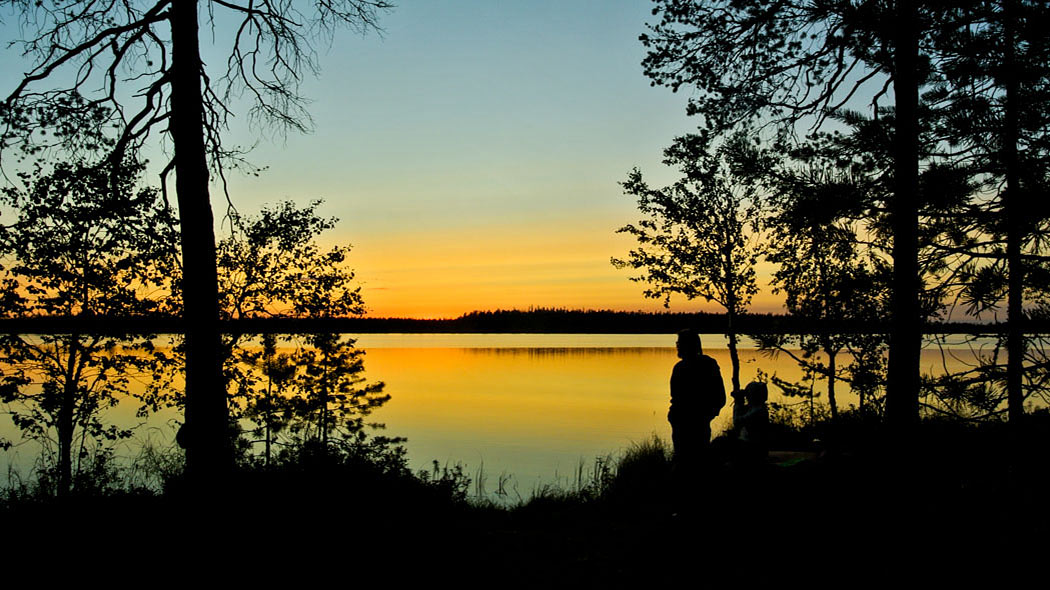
x: 642, y: 473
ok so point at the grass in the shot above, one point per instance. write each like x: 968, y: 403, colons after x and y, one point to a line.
x: 947, y: 453
x: 610, y: 524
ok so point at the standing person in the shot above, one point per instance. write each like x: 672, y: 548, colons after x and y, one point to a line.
x: 697, y: 395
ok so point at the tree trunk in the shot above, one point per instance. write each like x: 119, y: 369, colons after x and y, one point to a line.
x: 208, y: 453
x: 902, y: 392
x: 832, y: 353
x: 1012, y: 200
x: 734, y: 356
x: 65, y: 442
x: 812, y: 402
x: 64, y: 424
x: 269, y: 418
x: 324, y: 394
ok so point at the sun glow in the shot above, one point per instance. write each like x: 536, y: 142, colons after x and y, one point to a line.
x: 442, y: 274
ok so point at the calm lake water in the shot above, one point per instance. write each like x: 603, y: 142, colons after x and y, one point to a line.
x: 533, y: 407
x: 530, y: 408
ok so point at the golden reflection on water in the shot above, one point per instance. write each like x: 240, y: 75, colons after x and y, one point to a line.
x: 537, y: 412
x: 531, y: 406
x: 531, y: 411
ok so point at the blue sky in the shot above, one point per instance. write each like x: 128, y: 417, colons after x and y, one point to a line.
x: 472, y: 151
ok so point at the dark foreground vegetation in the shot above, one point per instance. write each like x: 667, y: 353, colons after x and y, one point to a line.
x: 833, y: 499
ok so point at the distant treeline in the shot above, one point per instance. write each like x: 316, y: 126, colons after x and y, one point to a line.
x: 534, y: 321
x: 554, y: 321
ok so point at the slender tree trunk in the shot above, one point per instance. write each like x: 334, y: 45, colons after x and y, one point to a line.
x: 64, y: 424
x: 268, y: 370
x: 832, y: 353
x: 208, y: 452
x: 65, y: 440
x: 1012, y: 200
x: 825, y: 305
x: 902, y: 392
x: 324, y: 395
x: 268, y: 415
x: 734, y: 356
x: 812, y: 404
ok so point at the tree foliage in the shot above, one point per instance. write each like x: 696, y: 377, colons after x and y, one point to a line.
x: 936, y: 112
x: 114, y: 74
x: 781, y: 60
x: 295, y: 387
x: 824, y: 272
x: 993, y: 93
x: 86, y: 242
x: 698, y: 238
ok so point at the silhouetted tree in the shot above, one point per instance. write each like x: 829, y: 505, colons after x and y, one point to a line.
x: 264, y: 399
x: 107, y: 56
x: 838, y: 185
x: 825, y: 228
x: 85, y: 243
x: 698, y: 236
x: 273, y: 267
x: 333, y: 395
x: 785, y: 62
x: 821, y: 269
x: 993, y: 89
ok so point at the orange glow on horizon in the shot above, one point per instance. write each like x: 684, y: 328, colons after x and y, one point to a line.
x: 447, y: 273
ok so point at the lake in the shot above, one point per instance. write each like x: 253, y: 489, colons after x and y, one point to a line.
x: 533, y: 407
x: 527, y: 408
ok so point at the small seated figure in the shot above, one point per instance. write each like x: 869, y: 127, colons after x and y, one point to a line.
x: 751, y: 422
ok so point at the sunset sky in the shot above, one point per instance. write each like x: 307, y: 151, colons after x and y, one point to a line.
x: 472, y: 153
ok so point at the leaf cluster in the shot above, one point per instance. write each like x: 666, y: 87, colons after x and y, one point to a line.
x: 697, y: 236
x: 785, y: 60
x: 272, y: 266
x: 86, y: 240
x: 295, y: 387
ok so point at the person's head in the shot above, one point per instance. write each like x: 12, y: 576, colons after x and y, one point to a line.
x: 688, y: 343
x: 756, y: 393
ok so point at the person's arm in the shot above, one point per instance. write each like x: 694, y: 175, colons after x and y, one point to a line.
x: 675, y: 378
x: 718, y: 389
x: 748, y: 414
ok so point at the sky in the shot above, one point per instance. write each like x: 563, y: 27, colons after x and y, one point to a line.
x: 472, y: 152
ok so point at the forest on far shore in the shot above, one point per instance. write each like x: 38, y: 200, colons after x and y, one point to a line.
x: 576, y: 321
x: 513, y: 321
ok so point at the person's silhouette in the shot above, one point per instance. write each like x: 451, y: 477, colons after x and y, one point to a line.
x: 751, y: 423
x: 697, y: 395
